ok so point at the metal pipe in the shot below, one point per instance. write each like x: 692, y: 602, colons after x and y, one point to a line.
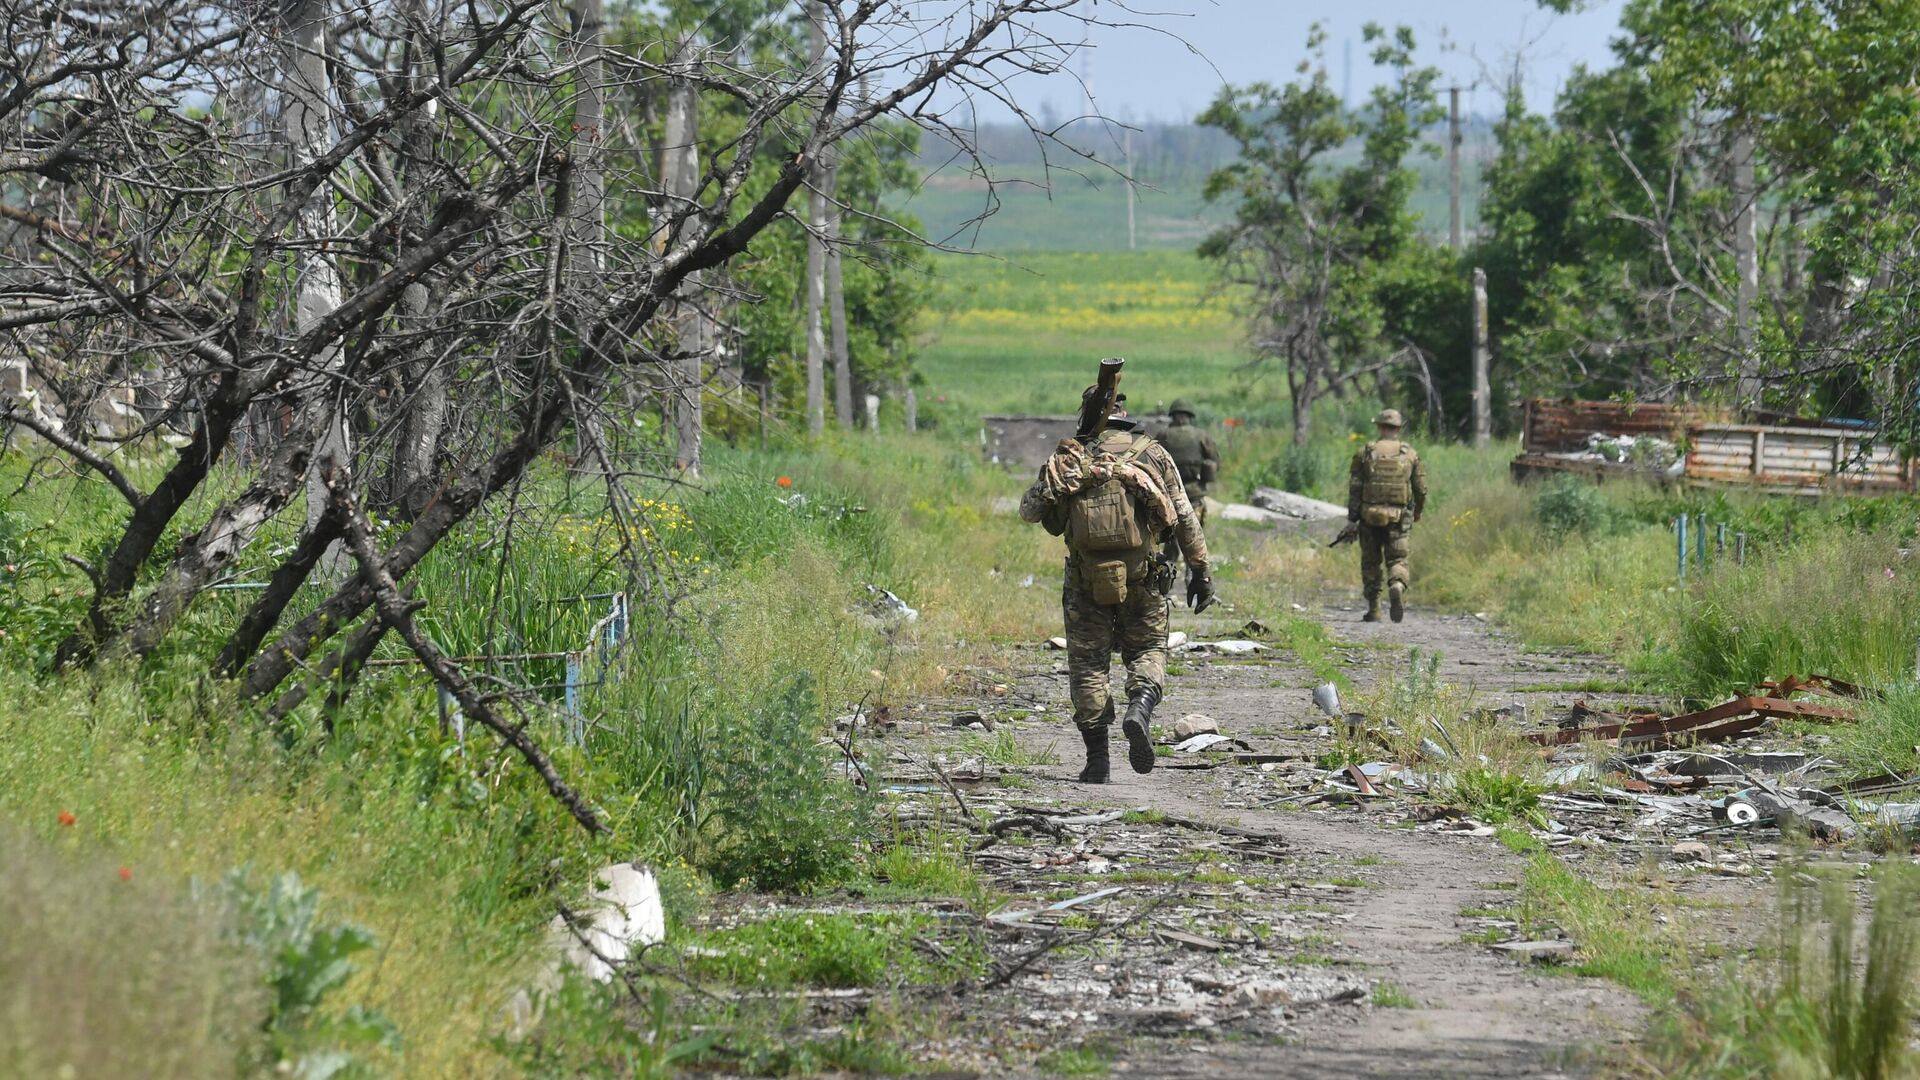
x: 1680, y: 545
x: 1740, y: 549
x: 1720, y: 540
x: 1700, y: 545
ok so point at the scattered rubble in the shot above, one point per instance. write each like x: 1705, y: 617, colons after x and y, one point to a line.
x: 1194, y: 724
x: 1286, y: 504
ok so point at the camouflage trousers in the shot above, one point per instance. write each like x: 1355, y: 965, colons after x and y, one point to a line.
x: 1384, y: 544
x: 1137, y: 627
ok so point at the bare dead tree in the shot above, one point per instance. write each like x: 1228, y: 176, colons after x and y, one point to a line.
x: 381, y: 227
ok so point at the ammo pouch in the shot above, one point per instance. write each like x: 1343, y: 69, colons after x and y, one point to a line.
x: 1379, y: 516
x: 1108, y: 578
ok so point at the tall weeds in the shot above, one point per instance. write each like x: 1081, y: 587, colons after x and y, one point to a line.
x: 1833, y: 1004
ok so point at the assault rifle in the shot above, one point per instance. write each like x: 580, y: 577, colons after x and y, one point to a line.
x: 1347, y: 535
x: 1097, y: 403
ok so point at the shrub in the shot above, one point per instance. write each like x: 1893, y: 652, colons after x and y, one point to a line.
x: 783, y: 825
x: 1568, y: 506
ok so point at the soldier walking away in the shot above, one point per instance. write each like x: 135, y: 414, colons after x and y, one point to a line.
x: 1115, y: 495
x: 1193, y: 451
x: 1386, y: 493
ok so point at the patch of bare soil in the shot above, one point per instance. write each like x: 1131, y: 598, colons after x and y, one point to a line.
x: 1219, y: 928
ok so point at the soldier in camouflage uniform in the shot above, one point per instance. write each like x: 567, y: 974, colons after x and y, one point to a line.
x: 1386, y: 493
x: 1118, y: 597
x: 1193, y: 451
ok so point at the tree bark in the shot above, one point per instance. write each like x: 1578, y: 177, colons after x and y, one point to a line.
x: 681, y: 180
x: 1746, y: 261
x: 816, y: 251
x: 837, y: 299
x: 308, y: 119
x: 1482, y: 360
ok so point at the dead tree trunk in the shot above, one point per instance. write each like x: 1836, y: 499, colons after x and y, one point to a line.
x: 1482, y: 360
x: 681, y: 180
x: 308, y: 114
x: 1746, y: 261
x: 837, y: 299
x: 816, y: 250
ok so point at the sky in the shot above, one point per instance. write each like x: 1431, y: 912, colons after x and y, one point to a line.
x: 1142, y: 75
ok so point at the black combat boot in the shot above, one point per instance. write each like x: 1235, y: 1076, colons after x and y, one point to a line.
x: 1373, y: 610
x: 1395, y: 606
x: 1137, y: 727
x: 1098, y: 769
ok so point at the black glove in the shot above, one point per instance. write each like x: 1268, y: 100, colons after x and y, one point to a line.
x: 1199, y: 589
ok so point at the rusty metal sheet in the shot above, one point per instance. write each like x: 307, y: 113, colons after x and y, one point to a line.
x: 1562, y: 426
x: 1727, y: 720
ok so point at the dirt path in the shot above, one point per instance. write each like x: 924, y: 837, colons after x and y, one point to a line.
x: 1350, y: 925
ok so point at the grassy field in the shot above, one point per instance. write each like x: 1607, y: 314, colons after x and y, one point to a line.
x: 1021, y: 334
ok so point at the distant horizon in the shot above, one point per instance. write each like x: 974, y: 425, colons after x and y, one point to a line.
x: 1167, y: 67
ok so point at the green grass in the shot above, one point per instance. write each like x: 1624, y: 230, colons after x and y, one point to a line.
x: 1831, y: 1001
x: 1615, y: 928
x: 1003, y: 748
x: 1022, y: 335
x: 1075, y: 1061
x: 822, y: 950
x: 1387, y: 995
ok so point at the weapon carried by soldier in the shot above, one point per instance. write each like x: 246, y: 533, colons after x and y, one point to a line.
x: 1097, y: 405
x: 1347, y: 535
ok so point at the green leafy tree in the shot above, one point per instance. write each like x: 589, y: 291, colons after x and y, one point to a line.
x: 1324, y: 249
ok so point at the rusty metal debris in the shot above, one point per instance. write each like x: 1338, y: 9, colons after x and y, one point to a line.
x: 1728, y: 720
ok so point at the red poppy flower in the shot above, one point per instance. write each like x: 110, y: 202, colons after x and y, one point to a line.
x: 1231, y: 421
x: 67, y: 818
x: 785, y: 481
x: 126, y: 873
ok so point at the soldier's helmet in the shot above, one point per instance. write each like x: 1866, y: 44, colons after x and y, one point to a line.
x: 1181, y: 406
x: 1389, y: 418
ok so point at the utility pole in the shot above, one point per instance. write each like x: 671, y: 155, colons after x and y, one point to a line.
x: 1127, y: 153
x: 1454, y: 234
x: 1482, y: 390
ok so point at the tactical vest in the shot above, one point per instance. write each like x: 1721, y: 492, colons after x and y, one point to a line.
x: 1104, y: 527
x: 1102, y: 519
x: 1183, y: 444
x: 1389, y: 479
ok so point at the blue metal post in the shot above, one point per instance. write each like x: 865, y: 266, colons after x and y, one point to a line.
x: 1700, y: 545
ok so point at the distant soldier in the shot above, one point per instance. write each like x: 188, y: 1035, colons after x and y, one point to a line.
x: 1192, y: 449
x: 1386, y: 493
x: 1115, y: 497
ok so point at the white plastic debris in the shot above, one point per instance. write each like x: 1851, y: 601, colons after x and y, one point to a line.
x: 1326, y: 696
x: 618, y: 918
x: 1201, y: 742
x: 885, y: 603
x: 1176, y: 639
x: 1236, y: 647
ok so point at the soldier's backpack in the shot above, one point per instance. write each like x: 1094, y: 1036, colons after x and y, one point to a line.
x: 1388, y: 488
x: 1104, y: 527
x: 1183, y: 445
